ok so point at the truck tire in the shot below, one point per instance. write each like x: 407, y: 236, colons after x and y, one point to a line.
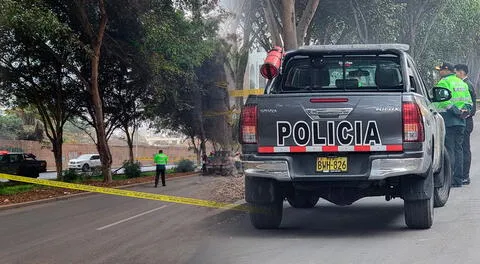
x: 419, y: 213
x: 303, y: 200
x: 85, y: 167
x: 441, y: 194
x: 266, y: 216
x: 265, y: 199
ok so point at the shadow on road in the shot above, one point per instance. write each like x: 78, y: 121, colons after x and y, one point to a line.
x: 325, y: 220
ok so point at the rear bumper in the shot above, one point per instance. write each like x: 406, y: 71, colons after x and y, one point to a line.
x: 275, y: 169
x: 382, y: 166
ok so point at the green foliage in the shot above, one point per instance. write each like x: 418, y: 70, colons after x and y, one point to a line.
x: 185, y: 165
x: 174, y: 43
x: 10, y: 126
x: 71, y: 176
x: 181, y: 51
x: 33, y: 17
x: 436, y: 30
x: 132, y: 169
x: 20, y: 125
x: 12, y: 189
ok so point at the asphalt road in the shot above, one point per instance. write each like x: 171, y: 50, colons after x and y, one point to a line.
x: 106, y: 229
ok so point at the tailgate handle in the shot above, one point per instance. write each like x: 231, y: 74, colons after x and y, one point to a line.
x: 326, y: 113
x: 329, y: 115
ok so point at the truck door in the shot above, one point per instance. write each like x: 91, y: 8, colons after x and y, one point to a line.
x: 16, y: 163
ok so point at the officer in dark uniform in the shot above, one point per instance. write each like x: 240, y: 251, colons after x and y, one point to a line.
x: 462, y: 72
x: 454, y: 112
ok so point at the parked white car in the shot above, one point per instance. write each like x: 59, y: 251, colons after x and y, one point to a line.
x: 85, y: 162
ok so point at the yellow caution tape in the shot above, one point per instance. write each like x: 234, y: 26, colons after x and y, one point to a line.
x: 222, y: 85
x: 240, y: 93
x: 127, y: 193
x: 213, y: 113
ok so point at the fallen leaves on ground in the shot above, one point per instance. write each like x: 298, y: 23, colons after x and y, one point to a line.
x: 228, y: 189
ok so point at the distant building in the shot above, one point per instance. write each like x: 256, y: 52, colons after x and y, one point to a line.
x: 165, y: 141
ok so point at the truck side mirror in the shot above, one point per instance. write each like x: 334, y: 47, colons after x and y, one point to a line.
x: 441, y: 94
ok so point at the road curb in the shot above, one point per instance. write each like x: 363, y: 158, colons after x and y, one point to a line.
x: 75, y: 195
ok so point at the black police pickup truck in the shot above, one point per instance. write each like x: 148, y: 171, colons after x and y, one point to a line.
x: 342, y: 123
x: 22, y: 164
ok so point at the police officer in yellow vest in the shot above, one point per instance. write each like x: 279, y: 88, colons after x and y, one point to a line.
x: 454, y: 113
x: 161, y: 160
x: 462, y: 73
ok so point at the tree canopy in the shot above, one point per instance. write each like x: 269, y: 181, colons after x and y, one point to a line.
x: 114, y: 64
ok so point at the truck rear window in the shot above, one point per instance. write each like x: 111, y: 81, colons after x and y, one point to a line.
x: 342, y: 73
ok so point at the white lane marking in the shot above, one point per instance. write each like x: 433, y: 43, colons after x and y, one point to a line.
x: 130, y: 218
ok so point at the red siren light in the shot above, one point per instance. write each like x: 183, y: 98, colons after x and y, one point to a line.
x: 271, y: 66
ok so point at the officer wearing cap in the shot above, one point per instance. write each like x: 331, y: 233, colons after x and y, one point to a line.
x: 454, y: 113
x: 462, y: 72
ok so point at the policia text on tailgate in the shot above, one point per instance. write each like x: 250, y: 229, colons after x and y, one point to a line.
x: 342, y: 123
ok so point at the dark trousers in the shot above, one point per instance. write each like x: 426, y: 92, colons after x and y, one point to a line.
x: 454, y: 144
x: 160, y: 170
x: 467, y: 154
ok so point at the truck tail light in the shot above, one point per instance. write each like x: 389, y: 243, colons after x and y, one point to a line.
x: 413, y: 129
x: 248, y: 125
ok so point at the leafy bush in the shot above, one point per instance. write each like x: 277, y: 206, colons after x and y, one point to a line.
x: 185, y: 165
x: 71, y: 176
x: 132, y: 169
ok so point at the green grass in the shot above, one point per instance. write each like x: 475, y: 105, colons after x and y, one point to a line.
x: 9, y: 189
x: 117, y: 177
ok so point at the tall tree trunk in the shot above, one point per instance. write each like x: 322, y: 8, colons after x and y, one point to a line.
x: 228, y: 135
x: 360, y: 22
x: 54, y: 132
x: 102, y: 144
x: 131, y: 158
x: 57, y: 153
x: 198, y: 111
x: 240, y: 76
x: 272, y: 23
x: 197, y: 150
x: 203, y: 148
x: 305, y: 21
x: 289, y: 25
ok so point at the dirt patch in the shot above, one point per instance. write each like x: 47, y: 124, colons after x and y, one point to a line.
x: 45, y: 192
x: 35, y: 194
x: 227, y: 189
